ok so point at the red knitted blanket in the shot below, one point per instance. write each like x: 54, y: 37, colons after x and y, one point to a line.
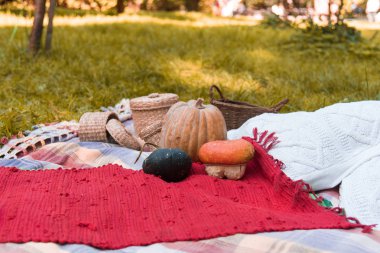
x: 111, y: 207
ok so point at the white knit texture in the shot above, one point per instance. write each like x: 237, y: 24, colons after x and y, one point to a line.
x: 360, y: 192
x: 328, y: 146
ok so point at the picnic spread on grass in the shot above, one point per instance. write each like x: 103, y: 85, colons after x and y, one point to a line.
x: 155, y: 169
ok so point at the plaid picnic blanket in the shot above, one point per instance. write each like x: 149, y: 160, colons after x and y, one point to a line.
x: 41, y: 135
x: 73, y: 153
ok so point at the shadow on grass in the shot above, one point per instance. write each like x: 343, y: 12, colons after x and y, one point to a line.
x: 168, y: 15
x: 97, y: 65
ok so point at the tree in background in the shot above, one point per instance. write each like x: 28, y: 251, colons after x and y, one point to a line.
x: 192, y: 5
x: 111, y: 7
x: 49, y: 31
x: 38, y: 25
x: 120, y: 6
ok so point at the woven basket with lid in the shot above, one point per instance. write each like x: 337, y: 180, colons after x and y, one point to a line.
x: 236, y: 113
x: 149, y: 111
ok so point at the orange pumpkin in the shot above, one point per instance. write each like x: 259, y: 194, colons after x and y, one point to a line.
x: 189, y: 125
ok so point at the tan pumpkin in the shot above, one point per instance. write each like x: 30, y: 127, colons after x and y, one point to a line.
x: 189, y: 125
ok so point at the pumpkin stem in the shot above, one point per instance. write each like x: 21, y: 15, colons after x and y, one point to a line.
x: 199, y: 103
x: 142, y: 148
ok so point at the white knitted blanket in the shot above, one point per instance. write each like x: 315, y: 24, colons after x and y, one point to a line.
x: 338, y: 144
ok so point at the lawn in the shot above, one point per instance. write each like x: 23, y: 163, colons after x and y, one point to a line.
x: 97, y: 65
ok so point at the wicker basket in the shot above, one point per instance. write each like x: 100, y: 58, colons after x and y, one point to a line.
x: 122, y: 136
x: 152, y: 133
x: 150, y: 110
x: 92, y: 126
x: 236, y: 113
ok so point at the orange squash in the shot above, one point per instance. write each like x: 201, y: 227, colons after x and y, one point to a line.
x: 189, y: 125
x: 226, y: 158
x: 226, y: 152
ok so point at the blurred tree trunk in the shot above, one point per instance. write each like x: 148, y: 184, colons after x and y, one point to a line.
x: 192, y: 5
x: 286, y: 8
x: 329, y: 17
x: 38, y: 24
x: 297, y: 3
x: 147, y: 5
x: 340, y: 14
x: 120, y: 6
x: 49, y: 31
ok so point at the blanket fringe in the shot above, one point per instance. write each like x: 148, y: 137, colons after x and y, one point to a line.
x: 302, y: 186
x: 365, y: 228
x: 267, y: 142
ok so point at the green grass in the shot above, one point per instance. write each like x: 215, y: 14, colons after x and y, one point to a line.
x: 96, y: 65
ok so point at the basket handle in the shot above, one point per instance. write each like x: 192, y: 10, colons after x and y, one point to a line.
x: 218, y: 90
x: 279, y: 105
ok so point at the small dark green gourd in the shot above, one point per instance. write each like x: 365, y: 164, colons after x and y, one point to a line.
x: 170, y: 164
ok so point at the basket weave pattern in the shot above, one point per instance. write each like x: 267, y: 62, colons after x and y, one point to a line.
x: 122, y: 136
x: 92, y: 126
x: 152, y: 133
x: 236, y: 113
x: 148, y: 113
x: 143, y: 119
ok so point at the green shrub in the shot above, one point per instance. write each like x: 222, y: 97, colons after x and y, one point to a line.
x: 316, y: 39
x: 60, y: 11
x: 338, y: 32
x: 274, y: 21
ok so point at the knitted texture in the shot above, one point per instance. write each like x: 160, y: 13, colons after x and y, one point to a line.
x: 360, y: 192
x: 334, y: 145
x: 111, y: 207
x: 324, y: 146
